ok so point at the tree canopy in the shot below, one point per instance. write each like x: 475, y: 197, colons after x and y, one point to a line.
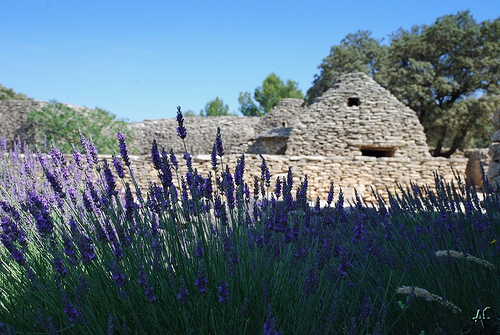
x: 216, y: 107
x: 268, y: 95
x: 448, y: 72
x: 9, y: 94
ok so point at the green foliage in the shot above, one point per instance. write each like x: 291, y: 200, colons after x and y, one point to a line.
x: 247, y: 106
x: 438, y: 71
x: 189, y: 113
x: 216, y: 107
x: 448, y: 72
x: 268, y: 95
x: 9, y: 94
x: 62, y: 125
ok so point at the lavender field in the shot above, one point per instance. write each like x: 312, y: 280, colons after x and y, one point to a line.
x: 83, y: 251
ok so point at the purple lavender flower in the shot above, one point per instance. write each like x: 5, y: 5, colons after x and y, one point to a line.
x: 3, y: 144
x: 155, y: 156
x: 317, y: 206
x: 117, y: 250
x: 277, y: 189
x: 83, y: 242
x: 165, y: 172
x: 302, y: 192
x: 118, y: 276
x: 149, y: 293
x: 229, y: 188
x: 86, y: 203
x: 58, y: 265
x: 181, y: 130
x: 208, y: 188
x: 93, y: 193
x: 32, y: 277
x: 199, y: 250
x: 183, y: 293
x: 265, y: 175
x: 173, y: 160
x: 344, y: 266
x: 223, y: 292
x: 330, y: 195
x: 57, y: 156
x: 240, y: 170
x: 86, y: 250
x: 123, y: 148
x: 43, y: 221
x: 130, y: 205
x: 189, y: 162
x: 218, y: 143
x: 46, y: 323
x: 15, y: 254
x: 201, y: 279
x: 86, y: 149
x: 213, y: 157
x: 148, y: 289
x: 118, y: 167
x: 93, y: 152
x: 269, y: 324
x: 311, y: 283
x: 110, y: 180
x: 77, y: 158
x: 69, y: 250
x: 69, y: 309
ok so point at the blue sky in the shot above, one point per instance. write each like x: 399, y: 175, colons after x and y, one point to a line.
x: 141, y: 59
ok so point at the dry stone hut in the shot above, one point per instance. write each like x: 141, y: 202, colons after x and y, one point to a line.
x: 358, y: 117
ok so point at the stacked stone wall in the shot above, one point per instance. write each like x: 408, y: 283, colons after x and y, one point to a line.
x: 494, y: 153
x: 347, y: 173
x: 14, y: 119
x: 238, y: 134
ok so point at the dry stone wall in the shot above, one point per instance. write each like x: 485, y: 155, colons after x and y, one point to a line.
x: 238, y: 133
x: 348, y: 173
x: 14, y: 119
x: 494, y: 153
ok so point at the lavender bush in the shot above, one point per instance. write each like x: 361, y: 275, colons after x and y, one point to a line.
x: 85, y: 251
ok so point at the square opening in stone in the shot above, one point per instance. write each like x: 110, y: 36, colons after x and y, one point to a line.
x: 353, y: 102
x: 377, y: 152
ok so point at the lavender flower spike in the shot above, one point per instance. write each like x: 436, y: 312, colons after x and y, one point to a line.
x: 218, y: 143
x: 118, y: 167
x: 123, y: 147
x: 181, y: 130
x: 223, y: 292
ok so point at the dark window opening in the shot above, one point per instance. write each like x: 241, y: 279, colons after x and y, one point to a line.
x: 353, y: 102
x: 284, y: 124
x: 377, y: 152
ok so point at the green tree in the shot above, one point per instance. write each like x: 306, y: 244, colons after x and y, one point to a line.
x: 247, y: 106
x: 440, y: 71
x: 9, y: 94
x: 189, y: 113
x: 448, y: 72
x: 268, y: 95
x: 358, y: 52
x: 62, y: 124
x: 216, y: 107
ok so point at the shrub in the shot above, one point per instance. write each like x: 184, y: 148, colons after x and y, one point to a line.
x: 62, y: 124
